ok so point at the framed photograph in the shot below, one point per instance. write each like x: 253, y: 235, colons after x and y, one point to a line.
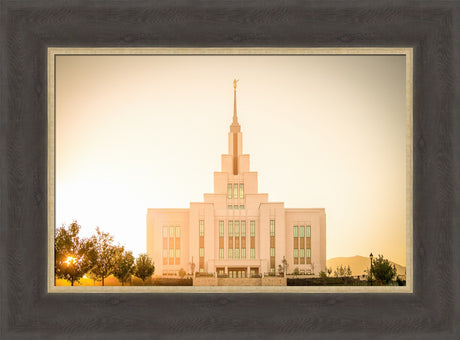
x: 133, y: 126
x: 33, y: 306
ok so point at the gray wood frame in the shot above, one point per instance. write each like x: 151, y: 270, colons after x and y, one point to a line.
x: 28, y: 27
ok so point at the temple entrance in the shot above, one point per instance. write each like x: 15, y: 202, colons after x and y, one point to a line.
x: 254, y: 271
x: 237, y: 272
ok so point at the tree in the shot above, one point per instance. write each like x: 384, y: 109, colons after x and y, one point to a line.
x: 106, y: 255
x: 124, y: 266
x: 144, y: 267
x: 348, y: 272
x: 342, y: 271
x: 192, y: 268
x: 284, y: 263
x: 382, y: 271
x: 338, y: 271
x: 329, y: 271
x: 280, y: 269
x: 182, y: 273
x: 91, y: 276
x: 73, y: 256
x: 296, y: 271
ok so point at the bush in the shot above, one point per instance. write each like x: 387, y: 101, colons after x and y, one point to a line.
x: 172, y: 282
x: 400, y: 281
x: 198, y: 274
x: 382, y: 271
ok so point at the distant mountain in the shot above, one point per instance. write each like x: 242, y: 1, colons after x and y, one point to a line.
x: 358, y: 264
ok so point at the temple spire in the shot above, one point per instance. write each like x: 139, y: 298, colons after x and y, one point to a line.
x: 235, y: 134
x: 235, y: 127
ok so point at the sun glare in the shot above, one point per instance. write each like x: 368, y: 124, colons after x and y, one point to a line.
x: 70, y: 260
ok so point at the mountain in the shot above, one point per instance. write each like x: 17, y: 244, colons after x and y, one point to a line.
x: 358, y: 264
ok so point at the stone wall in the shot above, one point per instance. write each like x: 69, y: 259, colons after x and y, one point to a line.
x: 274, y: 281
x: 240, y: 282
x: 205, y: 281
x: 265, y: 281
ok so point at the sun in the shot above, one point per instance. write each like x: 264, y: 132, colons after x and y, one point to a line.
x: 70, y: 260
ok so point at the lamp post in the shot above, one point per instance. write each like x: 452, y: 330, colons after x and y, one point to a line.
x: 370, y: 271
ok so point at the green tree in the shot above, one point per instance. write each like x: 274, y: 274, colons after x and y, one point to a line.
x: 73, y: 255
x: 124, y: 266
x: 296, y: 271
x: 329, y: 271
x: 144, y: 267
x: 342, y: 271
x: 106, y: 255
x: 382, y: 271
x: 323, y: 276
x: 349, y: 272
x: 338, y: 271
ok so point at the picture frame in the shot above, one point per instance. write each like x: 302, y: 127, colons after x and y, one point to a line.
x: 27, y: 30
x: 187, y: 55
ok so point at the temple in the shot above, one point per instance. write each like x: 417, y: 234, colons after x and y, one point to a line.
x: 236, y: 231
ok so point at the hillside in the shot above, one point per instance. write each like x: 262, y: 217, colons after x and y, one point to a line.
x: 358, y: 264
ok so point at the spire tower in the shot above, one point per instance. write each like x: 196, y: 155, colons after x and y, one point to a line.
x: 235, y: 127
x: 235, y: 132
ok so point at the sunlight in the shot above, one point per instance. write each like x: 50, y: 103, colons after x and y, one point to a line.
x: 70, y: 260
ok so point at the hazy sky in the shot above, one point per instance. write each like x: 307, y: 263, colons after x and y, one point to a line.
x: 138, y: 132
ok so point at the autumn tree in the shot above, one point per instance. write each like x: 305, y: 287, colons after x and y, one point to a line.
x: 124, y: 266
x: 382, y: 271
x: 73, y: 255
x: 144, y: 267
x: 91, y: 276
x: 106, y: 255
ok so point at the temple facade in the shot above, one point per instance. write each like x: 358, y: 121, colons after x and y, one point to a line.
x: 236, y: 230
